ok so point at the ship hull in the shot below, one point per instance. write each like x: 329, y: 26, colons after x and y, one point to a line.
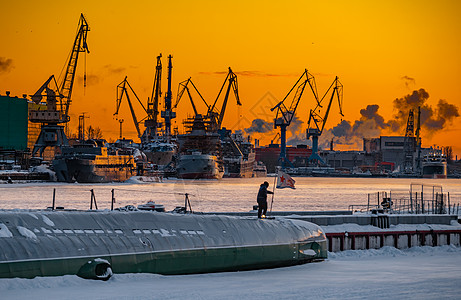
x: 199, y: 166
x: 96, y: 244
x: 86, y: 171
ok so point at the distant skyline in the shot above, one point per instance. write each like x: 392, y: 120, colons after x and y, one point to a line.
x: 389, y: 55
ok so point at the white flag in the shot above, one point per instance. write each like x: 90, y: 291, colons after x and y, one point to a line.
x: 284, y: 180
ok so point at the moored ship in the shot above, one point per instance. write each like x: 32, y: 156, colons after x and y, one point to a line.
x: 199, y: 151
x: 238, y: 155
x: 91, y: 162
x: 434, y: 165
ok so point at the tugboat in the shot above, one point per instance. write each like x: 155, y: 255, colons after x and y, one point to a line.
x: 91, y: 162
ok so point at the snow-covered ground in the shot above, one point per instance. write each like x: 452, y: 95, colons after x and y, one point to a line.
x: 387, y: 273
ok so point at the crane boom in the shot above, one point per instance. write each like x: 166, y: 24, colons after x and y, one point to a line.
x: 79, y: 45
x: 183, y: 86
x: 284, y: 114
x: 213, y: 113
x: 316, y: 122
x: 122, y: 90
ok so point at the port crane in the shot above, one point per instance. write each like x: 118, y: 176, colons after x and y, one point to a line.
x: 168, y: 114
x: 285, y: 114
x: 184, y: 87
x: 151, y: 123
x: 316, y: 122
x: 216, y: 116
x: 122, y: 89
x: 58, y: 97
x: 408, y: 144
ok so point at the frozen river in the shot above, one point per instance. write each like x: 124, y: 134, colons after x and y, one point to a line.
x: 229, y: 194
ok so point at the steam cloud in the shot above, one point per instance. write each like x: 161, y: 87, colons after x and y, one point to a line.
x: 6, y: 64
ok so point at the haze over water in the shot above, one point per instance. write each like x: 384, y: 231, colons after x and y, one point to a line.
x: 229, y: 194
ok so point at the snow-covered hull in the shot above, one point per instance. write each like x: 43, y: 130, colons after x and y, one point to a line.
x: 97, y: 244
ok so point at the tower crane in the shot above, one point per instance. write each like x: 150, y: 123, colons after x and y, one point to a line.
x: 285, y: 114
x: 216, y: 116
x: 316, y: 122
x: 183, y: 87
x: 123, y: 90
x: 151, y: 123
x: 58, y: 100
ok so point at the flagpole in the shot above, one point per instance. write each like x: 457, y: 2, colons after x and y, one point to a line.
x: 273, y: 193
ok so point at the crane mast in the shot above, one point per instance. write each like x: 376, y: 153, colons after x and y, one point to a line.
x: 316, y: 122
x: 285, y: 114
x: 168, y: 114
x: 408, y: 144
x: 216, y: 116
x: 58, y: 100
x: 151, y: 123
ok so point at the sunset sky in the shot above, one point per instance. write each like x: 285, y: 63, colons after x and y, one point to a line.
x: 381, y: 51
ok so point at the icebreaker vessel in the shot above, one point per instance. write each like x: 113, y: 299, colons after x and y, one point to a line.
x: 96, y: 244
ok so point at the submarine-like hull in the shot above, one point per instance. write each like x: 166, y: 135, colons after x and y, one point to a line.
x: 97, y: 244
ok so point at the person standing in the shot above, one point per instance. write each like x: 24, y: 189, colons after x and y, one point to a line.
x: 262, y: 199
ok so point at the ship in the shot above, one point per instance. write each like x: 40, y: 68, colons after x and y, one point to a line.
x: 200, y: 155
x: 159, y: 151
x: 93, y: 162
x: 434, y: 165
x: 260, y: 169
x: 238, y: 155
x: 98, y: 244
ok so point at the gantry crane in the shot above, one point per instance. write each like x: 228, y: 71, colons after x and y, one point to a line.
x: 216, y: 116
x: 183, y: 87
x: 151, y: 123
x: 122, y: 90
x: 316, y: 122
x: 285, y: 114
x: 58, y: 99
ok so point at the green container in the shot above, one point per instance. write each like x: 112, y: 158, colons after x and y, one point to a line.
x: 13, y: 123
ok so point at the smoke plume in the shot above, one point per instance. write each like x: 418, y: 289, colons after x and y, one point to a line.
x: 372, y: 124
x: 259, y: 126
x: 6, y: 64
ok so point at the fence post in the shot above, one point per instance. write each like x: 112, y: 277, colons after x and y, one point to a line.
x: 54, y: 199
x: 112, y: 201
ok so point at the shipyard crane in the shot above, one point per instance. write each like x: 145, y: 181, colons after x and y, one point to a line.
x: 408, y: 144
x: 183, y: 87
x: 123, y: 90
x: 285, y: 114
x: 168, y: 114
x: 151, y: 123
x: 216, y: 116
x: 316, y: 122
x: 58, y: 100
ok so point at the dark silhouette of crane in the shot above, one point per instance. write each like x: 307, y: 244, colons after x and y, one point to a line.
x: 122, y: 89
x: 285, y: 114
x: 58, y: 98
x: 409, y: 144
x: 316, y: 122
x: 184, y: 87
x: 168, y: 114
x: 216, y: 116
x: 151, y: 123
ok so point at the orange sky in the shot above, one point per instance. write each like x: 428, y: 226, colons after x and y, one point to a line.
x: 371, y: 45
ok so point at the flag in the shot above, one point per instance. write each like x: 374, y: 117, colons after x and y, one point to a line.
x: 284, y: 180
